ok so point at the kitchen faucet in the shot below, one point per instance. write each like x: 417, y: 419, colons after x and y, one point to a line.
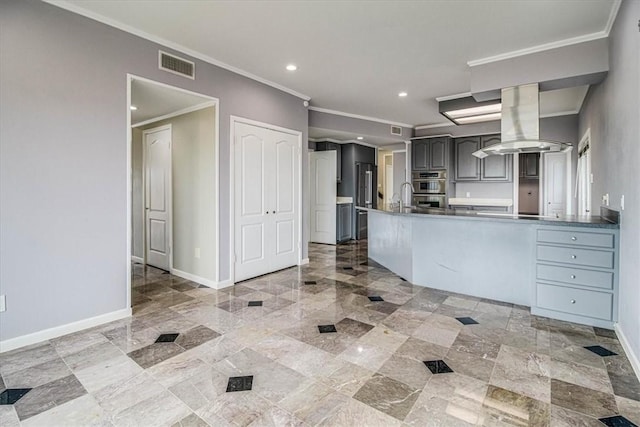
x: 402, y: 193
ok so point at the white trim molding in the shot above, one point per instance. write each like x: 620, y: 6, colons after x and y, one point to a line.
x: 358, y: 116
x: 175, y: 46
x: 137, y: 259
x: 556, y: 44
x: 213, y: 284
x: 304, y: 261
x: 634, y: 359
x: 58, y: 331
x: 454, y: 96
x: 176, y: 113
x: 436, y: 125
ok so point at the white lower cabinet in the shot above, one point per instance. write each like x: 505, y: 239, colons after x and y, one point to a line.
x: 576, y: 275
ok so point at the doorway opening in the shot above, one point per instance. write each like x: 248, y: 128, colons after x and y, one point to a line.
x: 173, y: 183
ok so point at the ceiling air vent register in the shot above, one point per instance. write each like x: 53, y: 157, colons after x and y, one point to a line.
x: 396, y: 130
x: 176, y: 65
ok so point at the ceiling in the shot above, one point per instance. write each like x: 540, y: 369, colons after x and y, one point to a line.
x: 153, y: 100
x: 355, y: 56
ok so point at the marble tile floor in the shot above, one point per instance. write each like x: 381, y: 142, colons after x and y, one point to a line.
x: 338, y: 342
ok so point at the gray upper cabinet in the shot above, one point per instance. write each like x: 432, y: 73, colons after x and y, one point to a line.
x: 430, y: 154
x: 438, y: 149
x: 467, y: 165
x: 420, y: 154
x: 495, y: 168
x: 530, y: 165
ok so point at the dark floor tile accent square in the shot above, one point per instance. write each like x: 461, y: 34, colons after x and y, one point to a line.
x: 240, y: 383
x: 255, y: 303
x: 617, y: 421
x: 376, y: 298
x: 310, y: 282
x: 466, y: 320
x: 167, y: 337
x: 347, y: 268
x: 600, y: 351
x: 12, y: 395
x: 325, y: 329
x: 438, y: 366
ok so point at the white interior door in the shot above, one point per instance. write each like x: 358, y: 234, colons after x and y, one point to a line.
x: 322, y: 170
x: 251, y: 210
x: 157, y: 144
x: 283, y: 200
x: 555, y: 183
x: 267, y: 187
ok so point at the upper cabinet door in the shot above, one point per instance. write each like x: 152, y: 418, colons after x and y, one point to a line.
x: 438, y: 148
x: 495, y: 168
x: 467, y: 165
x: 531, y: 165
x: 420, y: 154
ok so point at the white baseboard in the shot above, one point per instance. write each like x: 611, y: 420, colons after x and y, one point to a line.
x: 225, y: 284
x: 633, y: 358
x: 47, y: 334
x: 304, y: 261
x: 197, y: 279
x: 137, y: 259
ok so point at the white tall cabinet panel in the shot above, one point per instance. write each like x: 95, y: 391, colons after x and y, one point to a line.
x: 266, y: 200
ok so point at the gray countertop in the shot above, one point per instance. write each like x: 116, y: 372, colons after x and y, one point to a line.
x: 571, y: 221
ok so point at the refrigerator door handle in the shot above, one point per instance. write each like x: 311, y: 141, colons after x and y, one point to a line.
x: 368, y: 194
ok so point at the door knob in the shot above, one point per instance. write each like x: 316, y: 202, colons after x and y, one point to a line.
x: 574, y: 238
x: 573, y: 276
x: 573, y: 301
x: 573, y: 257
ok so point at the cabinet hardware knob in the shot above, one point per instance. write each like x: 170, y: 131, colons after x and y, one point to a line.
x: 573, y: 257
x: 573, y: 276
x: 573, y: 301
x: 267, y: 212
x: 273, y: 212
x: 574, y: 238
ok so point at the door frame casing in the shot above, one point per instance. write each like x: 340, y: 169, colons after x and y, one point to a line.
x: 233, y: 120
x: 129, y: 174
x: 145, y: 230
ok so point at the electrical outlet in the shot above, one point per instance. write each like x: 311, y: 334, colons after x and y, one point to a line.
x: 468, y: 194
x: 622, y: 202
x: 605, y: 199
x: 197, y: 253
x: 3, y: 303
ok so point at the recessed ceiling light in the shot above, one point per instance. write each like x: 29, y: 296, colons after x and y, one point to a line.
x: 359, y: 138
x: 292, y: 67
x: 402, y: 94
x: 133, y: 108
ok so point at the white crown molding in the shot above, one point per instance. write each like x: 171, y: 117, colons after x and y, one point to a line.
x: 554, y: 45
x: 612, y: 16
x: 436, y: 125
x: 347, y: 141
x: 432, y: 136
x: 175, y: 46
x: 455, y: 96
x: 176, y: 113
x: 560, y: 113
x: 357, y: 116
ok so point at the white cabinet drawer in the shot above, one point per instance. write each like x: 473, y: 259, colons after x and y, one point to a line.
x: 575, y: 276
x: 576, y: 256
x: 580, y: 302
x: 601, y: 240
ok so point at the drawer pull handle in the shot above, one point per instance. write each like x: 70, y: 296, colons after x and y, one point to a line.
x: 573, y: 301
x: 573, y: 257
x: 573, y: 276
x: 574, y: 238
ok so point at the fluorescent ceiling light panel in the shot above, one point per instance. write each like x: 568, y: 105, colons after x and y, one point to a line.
x: 478, y: 119
x: 467, y: 110
x: 475, y: 111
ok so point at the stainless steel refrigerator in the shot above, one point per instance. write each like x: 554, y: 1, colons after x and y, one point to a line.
x: 365, y: 185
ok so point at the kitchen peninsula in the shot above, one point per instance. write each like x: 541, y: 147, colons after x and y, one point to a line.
x: 562, y: 267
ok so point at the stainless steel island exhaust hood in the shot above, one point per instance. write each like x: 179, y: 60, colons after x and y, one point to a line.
x: 520, y: 125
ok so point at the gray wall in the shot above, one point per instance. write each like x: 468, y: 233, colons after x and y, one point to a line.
x: 612, y: 112
x: 63, y: 137
x: 193, y: 190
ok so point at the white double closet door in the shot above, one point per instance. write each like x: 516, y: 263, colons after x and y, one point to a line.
x: 266, y: 176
